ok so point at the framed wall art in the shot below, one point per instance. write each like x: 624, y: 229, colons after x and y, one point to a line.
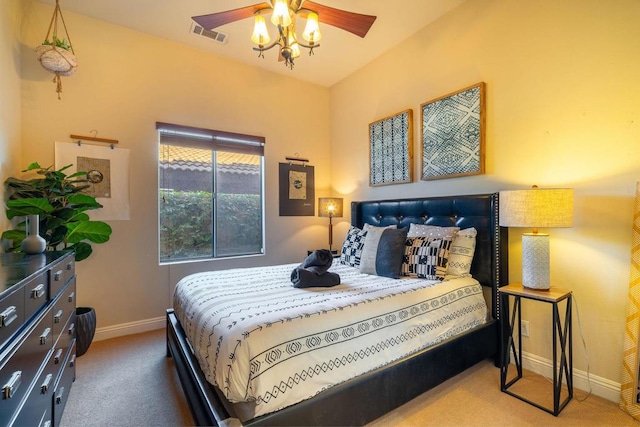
x: 107, y: 172
x: 452, y: 134
x: 297, y: 191
x: 391, y: 149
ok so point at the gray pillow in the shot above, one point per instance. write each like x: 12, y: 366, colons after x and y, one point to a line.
x: 383, y: 252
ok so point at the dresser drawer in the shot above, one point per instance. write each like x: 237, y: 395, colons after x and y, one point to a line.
x: 11, y: 315
x: 19, y: 367
x: 64, y: 307
x: 35, y: 294
x: 66, y: 379
x: 63, y: 344
x: 60, y: 274
x: 37, y: 409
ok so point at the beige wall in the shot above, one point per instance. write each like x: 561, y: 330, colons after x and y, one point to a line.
x: 563, y: 109
x: 126, y: 81
x: 10, y: 138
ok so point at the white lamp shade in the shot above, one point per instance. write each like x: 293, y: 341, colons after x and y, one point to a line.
x: 260, y: 34
x: 311, y: 31
x: 330, y: 207
x: 281, y: 14
x: 537, y: 208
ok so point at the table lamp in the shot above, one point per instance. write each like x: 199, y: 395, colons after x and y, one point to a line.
x: 330, y: 207
x: 536, y: 208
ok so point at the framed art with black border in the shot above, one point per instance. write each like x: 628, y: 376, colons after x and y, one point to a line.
x: 453, y: 134
x: 391, y: 149
x: 297, y: 191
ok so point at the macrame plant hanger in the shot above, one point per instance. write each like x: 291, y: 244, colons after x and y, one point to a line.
x: 55, y: 54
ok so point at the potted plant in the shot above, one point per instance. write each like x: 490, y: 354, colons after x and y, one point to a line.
x: 61, y: 207
x: 58, y: 201
x: 57, y: 56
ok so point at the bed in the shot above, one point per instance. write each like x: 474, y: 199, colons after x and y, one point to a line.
x: 377, y: 391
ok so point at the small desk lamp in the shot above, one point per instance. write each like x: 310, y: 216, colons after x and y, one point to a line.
x: 330, y: 207
x: 538, y: 207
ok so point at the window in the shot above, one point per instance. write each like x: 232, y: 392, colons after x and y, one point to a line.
x: 210, y: 193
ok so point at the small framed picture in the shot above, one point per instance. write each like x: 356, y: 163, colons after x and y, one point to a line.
x: 452, y: 134
x: 297, y: 191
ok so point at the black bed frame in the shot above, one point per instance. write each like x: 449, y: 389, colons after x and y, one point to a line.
x: 369, y: 396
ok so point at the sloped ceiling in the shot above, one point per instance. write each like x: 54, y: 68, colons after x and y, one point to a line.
x: 340, y: 53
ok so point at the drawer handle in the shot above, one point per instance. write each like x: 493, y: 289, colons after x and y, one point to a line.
x: 8, y: 315
x: 58, y: 316
x: 38, y: 291
x: 72, y: 295
x: 44, y: 388
x: 59, y: 396
x: 72, y: 361
x: 11, y: 387
x: 70, y: 266
x: 45, y: 336
x: 72, y: 328
x: 57, y: 357
x: 57, y: 275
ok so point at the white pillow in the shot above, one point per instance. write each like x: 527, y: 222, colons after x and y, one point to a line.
x: 461, y: 253
x: 368, y: 226
x: 433, y: 231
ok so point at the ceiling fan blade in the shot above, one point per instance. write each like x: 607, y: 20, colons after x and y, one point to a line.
x: 352, y: 22
x: 214, y: 20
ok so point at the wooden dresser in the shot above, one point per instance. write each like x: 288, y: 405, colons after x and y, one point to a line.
x: 37, y: 337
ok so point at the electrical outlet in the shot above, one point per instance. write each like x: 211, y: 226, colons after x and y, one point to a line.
x: 524, y: 328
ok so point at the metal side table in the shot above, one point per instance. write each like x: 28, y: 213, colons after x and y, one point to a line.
x: 562, y: 341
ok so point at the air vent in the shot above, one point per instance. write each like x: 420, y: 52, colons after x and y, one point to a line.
x: 216, y: 36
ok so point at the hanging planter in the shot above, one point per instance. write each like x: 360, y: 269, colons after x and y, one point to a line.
x: 56, y: 54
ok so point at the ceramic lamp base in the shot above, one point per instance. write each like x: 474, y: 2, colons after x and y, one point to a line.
x: 535, y: 261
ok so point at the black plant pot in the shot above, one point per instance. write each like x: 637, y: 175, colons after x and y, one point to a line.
x: 85, y: 329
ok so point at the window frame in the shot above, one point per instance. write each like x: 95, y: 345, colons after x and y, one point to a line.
x: 215, y: 141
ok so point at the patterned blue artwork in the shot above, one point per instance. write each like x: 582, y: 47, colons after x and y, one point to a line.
x: 390, y: 142
x: 452, y: 135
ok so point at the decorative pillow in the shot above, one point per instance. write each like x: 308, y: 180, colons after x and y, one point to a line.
x: 368, y: 227
x: 383, y: 251
x: 462, y: 250
x: 352, y: 247
x: 426, y: 258
x: 433, y: 231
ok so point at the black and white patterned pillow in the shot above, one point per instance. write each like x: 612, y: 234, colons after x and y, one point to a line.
x: 352, y: 247
x: 426, y: 258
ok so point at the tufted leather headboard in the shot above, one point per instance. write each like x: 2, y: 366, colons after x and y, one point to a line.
x: 490, y: 262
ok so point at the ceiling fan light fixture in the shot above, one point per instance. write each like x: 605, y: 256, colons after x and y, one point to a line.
x: 284, y: 14
x: 311, y: 31
x: 260, y: 34
x: 281, y: 14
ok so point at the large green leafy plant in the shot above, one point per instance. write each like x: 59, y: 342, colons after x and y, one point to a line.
x: 61, y: 206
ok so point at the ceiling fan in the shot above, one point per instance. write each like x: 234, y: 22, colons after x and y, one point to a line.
x: 283, y: 16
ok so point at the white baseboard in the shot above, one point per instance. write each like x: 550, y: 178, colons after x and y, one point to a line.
x: 130, y: 328
x: 599, y: 386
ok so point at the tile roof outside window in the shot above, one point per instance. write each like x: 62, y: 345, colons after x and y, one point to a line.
x: 188, y: 158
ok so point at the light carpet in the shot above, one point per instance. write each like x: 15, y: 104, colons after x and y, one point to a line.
x: 129, y: 381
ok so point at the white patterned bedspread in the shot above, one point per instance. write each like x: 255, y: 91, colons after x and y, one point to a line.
x: 260, y: 339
